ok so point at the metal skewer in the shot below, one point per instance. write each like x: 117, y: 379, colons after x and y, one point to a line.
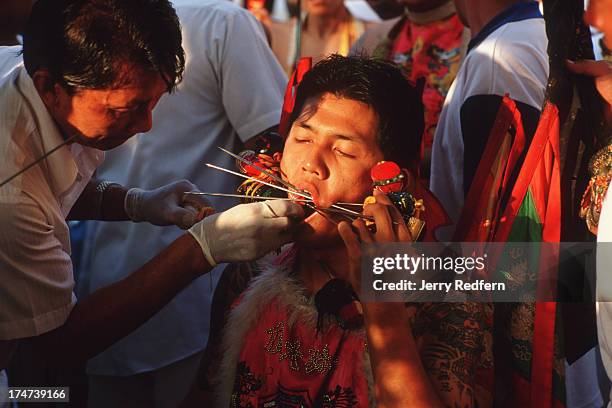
x: 345, y: 211
x: 362, y: 216
x: 245, y: 196
x: 327, y: 217
x: 348, y: 217
x: 264, y: 171
x: 273, y: 176
x: 257, y: 180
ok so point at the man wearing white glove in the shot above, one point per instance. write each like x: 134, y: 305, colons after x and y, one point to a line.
x: 166, y: 205
x: 247, y: 231
x: 242, y: 233
x: 58, y: 115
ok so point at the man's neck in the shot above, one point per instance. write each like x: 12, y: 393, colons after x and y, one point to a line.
x: 484, y: 11
x: 426, y: 6
x: 316, y: 267
x: 324, y: 25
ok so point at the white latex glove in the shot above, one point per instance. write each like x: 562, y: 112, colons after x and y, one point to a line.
x: 246, y: 232
x: 167, y: 205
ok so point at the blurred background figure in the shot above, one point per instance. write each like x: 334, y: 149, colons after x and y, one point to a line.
x: 427, y: 42
x: 13, y: 16
x: 327, y: 27
x: 602, y: 51
x: 599, y: 16
x: 232, y: 91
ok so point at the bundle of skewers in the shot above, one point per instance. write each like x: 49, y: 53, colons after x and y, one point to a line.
x: 263, y: 181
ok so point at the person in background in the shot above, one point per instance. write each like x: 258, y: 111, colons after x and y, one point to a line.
x: 232, y: 91
x: 327, y: 28
x: 507, y: 54
x: 426, y: 42
x: 599, y: 15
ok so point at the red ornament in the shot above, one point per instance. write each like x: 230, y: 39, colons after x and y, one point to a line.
x: 247, y: 169
x: 387, y: 177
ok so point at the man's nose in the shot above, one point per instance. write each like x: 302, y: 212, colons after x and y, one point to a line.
x: 314, y: 163
x: 143, y: 122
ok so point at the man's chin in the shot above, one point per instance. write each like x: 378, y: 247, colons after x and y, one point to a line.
x: 317, y: 232
x: 103, y: 144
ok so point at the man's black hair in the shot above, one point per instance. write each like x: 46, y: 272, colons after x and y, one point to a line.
x: 380, y: 85
x: 87, y: 43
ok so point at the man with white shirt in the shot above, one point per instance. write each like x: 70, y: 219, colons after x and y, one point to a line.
x: 507, y: 55
x: 232, y: 90
x: 91, y: 74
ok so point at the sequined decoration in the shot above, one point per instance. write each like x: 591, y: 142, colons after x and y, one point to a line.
x: 293, y: 353
x: 274, y: 345
x: 600, y: 167
x: 319, y: 361
x: 340, y: 397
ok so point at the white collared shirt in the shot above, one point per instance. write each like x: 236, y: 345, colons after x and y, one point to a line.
x: 510, y: 58
x: 36, y: 279
x: 232, y: 89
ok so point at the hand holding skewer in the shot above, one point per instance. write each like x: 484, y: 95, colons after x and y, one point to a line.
x: 390, y: 227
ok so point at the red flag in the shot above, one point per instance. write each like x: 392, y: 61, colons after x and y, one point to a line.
x: 303, y: 66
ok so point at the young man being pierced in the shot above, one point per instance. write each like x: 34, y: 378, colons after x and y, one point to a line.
x: 277, y: 347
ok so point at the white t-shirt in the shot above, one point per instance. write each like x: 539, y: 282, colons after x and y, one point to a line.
x: 508, y: 56
x: 232, y: 90
x: 36, y: 279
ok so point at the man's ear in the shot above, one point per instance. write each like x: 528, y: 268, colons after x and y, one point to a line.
x: 48, y: 88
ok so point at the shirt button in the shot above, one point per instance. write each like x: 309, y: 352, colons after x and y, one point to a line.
x: 79, y: 177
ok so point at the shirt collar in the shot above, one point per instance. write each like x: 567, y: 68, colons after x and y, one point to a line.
x: 60, y: 164
x: 514, y: 13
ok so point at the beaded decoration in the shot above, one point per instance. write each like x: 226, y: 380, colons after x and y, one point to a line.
x: 600, y: 168
x: 388, y: 177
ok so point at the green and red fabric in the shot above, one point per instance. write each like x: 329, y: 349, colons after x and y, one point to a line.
x: 515, y: 197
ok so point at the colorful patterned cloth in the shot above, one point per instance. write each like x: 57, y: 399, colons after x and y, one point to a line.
x: 431, y: 51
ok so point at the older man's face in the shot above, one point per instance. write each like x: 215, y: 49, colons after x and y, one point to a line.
x: 329, y: 152
x: 106, y: 118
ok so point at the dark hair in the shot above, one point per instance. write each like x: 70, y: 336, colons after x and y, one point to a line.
x: 381, y: 86
x: 86, y: 43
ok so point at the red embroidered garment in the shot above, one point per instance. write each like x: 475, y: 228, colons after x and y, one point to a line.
x: 273, y: 354
x: 290, y: 365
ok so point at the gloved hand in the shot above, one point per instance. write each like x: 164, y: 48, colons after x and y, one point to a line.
x: 246, y: 232
x: 167, y: 205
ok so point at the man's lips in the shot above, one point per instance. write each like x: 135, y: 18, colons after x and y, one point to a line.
x: 308, y: 189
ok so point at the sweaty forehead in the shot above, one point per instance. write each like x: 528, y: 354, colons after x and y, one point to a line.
x: 328, y: 115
